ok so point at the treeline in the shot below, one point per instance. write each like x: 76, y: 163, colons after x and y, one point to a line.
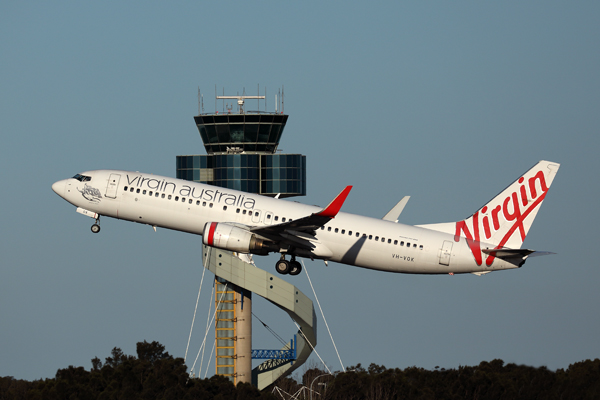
x: 154, y: 374
x: 488, y: 380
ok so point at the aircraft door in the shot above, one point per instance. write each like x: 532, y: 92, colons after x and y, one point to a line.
x: 113, y: 183
x: 446, y: 252
x: 256, y: 216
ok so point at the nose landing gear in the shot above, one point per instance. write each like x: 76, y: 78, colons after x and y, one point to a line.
x: 96, y: 226
x: 291, y: 267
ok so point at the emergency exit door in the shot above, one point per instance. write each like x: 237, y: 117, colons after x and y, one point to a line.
x: 446, y: 252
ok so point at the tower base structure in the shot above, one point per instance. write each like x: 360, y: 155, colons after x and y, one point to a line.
x: 238, y: 277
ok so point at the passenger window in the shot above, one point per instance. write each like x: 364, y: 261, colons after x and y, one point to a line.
x: 407, y: 244
x: 283, y: 219
x: 415, y: 245
x: 237, y: 210
x: 137, y: 191
x: 395, y: 242
x: 376, y: 238
x: 169, y: 197
x: 131, y: 190
x: 401, y: 243
x: 268, y: 216
x: 224, y: 208
x: 322, y: 228
x: 244, y: 212
x: 389, y: 240
x: 276, y: 218
x: 383, y: 239
x: 350, y: 233
x: 197, y: 202
x: 336, y: 230
x: 210, y: 205
x: 256, y: 214
x: 328, y: 229
x: 176, y: 198
x: 370, y: 237
x: 190, y: 201
x: 343, y: 231
x: 162, y: 196
x: 156, y: 194
x: 144, y: 192
x: 125, y: 188
x: 421, y: 247
x: 149, y: 193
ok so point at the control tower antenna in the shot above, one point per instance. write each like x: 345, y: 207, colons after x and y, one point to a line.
x: 200, y: 102
x: 240, y: 100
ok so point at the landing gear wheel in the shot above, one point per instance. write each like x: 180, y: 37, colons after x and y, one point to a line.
x: 282, y: 266
x: 95, y: 228
x: 295, y: 268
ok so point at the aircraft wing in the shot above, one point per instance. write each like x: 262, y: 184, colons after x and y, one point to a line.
x: 299, y: 231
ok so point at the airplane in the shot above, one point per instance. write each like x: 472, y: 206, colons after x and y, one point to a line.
x: 489, y: 240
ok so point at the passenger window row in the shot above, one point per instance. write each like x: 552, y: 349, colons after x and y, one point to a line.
x: 198, y: 202
x: 167, y: 196
x: 376, y: 238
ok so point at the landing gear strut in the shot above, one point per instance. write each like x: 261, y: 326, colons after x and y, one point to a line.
x: 291, y: 267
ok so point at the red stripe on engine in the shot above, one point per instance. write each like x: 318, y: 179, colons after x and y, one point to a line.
x: 211, y: 233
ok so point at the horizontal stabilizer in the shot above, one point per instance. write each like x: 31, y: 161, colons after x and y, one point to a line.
x: 510, y: 253
x: 514, y: 256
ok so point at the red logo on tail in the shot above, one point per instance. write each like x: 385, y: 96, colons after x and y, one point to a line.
x: 509, y: 210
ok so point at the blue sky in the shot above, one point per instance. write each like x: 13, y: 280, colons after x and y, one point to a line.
x: 447, y: 102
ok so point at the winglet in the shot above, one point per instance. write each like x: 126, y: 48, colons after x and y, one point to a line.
x: 334, y: 207
x: 394, y: 213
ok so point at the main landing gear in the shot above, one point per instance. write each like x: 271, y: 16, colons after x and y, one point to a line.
x: 96, y: 226
x: 291, y: 267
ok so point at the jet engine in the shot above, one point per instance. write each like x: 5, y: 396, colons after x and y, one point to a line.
x: 228, y: 237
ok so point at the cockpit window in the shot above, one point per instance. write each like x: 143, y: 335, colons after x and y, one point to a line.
x: 82, y: 178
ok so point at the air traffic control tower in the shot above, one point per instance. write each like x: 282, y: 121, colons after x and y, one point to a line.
x: 242, y: 154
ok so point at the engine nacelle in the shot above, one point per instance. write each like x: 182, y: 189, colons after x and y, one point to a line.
x: 228, y: 237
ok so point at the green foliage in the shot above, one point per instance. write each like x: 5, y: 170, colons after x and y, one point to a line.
x: 488, y: 380
x: 154, y: 374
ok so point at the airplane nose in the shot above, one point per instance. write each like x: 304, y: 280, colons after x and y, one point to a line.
x: 59, y: 187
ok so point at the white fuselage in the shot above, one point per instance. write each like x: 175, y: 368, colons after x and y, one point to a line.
x: 351, y: 239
